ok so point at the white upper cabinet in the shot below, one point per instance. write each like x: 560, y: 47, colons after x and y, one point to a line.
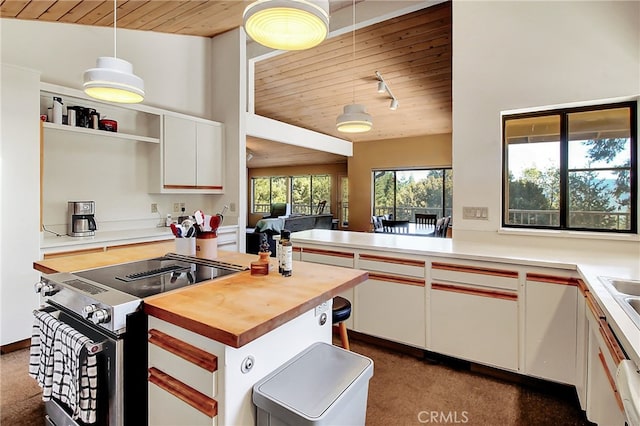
x: 192, y: 155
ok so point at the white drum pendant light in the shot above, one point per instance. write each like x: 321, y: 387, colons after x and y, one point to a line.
x: 113, y: 79
x: 287, y: 24
x: 354, y: 119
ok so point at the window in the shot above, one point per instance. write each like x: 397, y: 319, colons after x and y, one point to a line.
x: 402, y: 193
x: 305, y: 192
x: 266, y: 191
x: 571, y: 169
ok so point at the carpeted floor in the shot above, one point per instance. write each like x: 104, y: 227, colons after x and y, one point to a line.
x: 404, y: 390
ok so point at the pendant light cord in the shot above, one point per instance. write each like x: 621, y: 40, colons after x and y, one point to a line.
x: 353, y: 44
x: 115, y: 19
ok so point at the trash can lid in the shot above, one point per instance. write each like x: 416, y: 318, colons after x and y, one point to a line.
x: 313, y: 380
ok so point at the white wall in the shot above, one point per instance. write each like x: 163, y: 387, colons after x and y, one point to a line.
x: 176, y: 69
x: 19, y: 212
x: 522, y: 54
x: 177, y: 74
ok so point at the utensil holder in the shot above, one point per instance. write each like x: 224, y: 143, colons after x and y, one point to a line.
x: 186, y: 246
x: 207, y: 245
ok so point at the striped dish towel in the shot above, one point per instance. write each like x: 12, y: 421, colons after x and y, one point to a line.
x: 60, y: 363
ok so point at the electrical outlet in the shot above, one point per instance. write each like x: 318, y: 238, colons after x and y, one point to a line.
x: 154, y: 208
x: 182, y: 207
x: 176, y: 207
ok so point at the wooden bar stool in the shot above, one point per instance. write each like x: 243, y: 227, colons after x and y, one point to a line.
x: 340, y: 313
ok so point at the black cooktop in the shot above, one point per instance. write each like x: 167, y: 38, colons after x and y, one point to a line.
x: 153, y: 276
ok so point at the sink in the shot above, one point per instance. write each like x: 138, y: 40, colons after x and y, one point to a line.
x: 627, y: 294
x: 634, y: 302
x: 630, y: 287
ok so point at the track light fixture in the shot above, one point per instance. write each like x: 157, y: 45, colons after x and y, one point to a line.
x: 384, y: 87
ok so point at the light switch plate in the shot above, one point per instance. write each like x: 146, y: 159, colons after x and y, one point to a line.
x: 475, y: 213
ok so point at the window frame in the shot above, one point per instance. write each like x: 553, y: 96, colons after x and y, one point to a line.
x: 564, y: 170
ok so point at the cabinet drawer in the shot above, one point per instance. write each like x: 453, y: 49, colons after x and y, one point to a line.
x: 408, y: 267
x: 328, y: 257
x: 191, y: 365
x: 173, y: 403
x: 475, y: 275
x: 477, y: 325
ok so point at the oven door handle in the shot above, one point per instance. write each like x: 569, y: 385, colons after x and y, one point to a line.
x: 91, y: 346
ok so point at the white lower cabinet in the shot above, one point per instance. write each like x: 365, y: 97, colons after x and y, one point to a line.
x: 550, y: 327
x: 195, y: 380
x: 391, y: 303
x: 471, y: 320
x: 604, y: 405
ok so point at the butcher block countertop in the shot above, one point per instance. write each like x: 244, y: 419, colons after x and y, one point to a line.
x: 234, y: 309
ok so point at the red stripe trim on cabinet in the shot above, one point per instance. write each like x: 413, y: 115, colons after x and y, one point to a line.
x: 475, y: 270
x: 297, y: 249
x: 611, y: 380
x: 612, y: 344
x: 184, y: 350
x: 475, y: 291
x: 552, y: 279
x: 396, y: 279
x: 582, y: 287
x: 192, y: 187
x: 328, y: 253
x: 408, y: 262
x: 186, y: 393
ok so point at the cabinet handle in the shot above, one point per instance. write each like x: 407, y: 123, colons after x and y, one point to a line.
x: 186, y: 393
x: 611, y: 380
x: 192, y: 187
x: 396, y: 279
x: 474, y: 270
x: 184, y: 350
x: 384, y: 259
x: 609, y: 339
x: 494, y: 294
x: 583, y: 288
x: 552, y: 279
x: 328, y: 253
x: 593, y: 306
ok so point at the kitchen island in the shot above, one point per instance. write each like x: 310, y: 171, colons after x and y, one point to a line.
x: 210, y: 342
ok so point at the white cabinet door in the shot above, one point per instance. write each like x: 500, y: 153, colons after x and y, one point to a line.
x: 179, y: 151
x: 604, y: 405
x: 209, y: 155
x: 551, y: 327
x: 393, y: 308
x: 475, y: 324
x: 193, y: 155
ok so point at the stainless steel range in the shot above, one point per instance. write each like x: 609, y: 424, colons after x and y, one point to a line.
x: 105, y: 304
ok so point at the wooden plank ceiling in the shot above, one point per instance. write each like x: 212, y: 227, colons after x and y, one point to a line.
x: 306, y: 88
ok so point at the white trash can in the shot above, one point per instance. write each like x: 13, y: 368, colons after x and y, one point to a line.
x: 323, y: 385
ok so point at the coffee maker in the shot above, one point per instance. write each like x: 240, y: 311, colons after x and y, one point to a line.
x: 80, y: 220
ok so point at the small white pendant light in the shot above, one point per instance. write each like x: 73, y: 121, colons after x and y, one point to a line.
x: 113, y: 79
x: 287, y: 24
x: 355, y: 118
